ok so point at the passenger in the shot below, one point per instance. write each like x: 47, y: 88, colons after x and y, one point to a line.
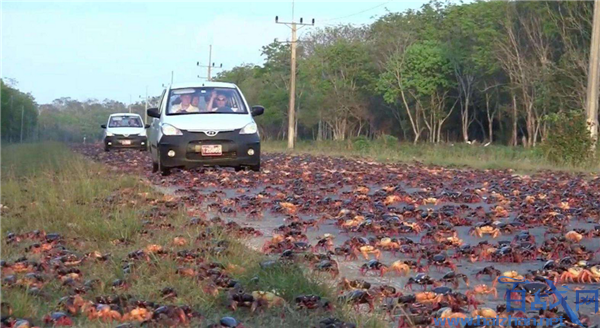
x: 133, y: 123
x: 196, y: 103
x: 220, y: 101
x: 185, y: 106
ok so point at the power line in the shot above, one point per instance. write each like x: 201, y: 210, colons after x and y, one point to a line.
x: 358, y: 13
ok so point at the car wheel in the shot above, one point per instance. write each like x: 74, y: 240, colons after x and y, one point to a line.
x: 255, y: 168
x: 106, y: 148
x: 154, y: 167
x: 238, y: 168
x: 164, y: 171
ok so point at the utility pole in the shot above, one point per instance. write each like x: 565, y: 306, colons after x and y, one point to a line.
x: 209, y: 66
x: 209, y: 61
x: 593, y: 77
x: 291, y: 110
x: 22, y: 116
x: 146, y: 108
x: 11, y: 108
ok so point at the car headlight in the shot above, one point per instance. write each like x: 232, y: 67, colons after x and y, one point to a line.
x: 249, y: 129
x: 109, y: 134
x: 169, y: 130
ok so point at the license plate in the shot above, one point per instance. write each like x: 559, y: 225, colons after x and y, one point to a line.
x: 211, y: 150
x: 126, y: 142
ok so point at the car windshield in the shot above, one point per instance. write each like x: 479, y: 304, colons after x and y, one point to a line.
x: 205, y: 100
x: 125, y: 122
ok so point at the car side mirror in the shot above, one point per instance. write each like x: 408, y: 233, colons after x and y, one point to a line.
x: 257, y: 110
x: 103, y: 126
x: 146, y: 126
x: 153, y: 112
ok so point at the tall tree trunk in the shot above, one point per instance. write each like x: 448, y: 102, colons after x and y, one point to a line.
x: 514, y: 117
x: 530, y: 125
x: 490, y: 117
x: 465, y: 120
x: 320, y: 130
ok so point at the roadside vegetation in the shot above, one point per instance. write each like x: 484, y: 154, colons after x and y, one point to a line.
x: 47, y: 187
x: 519, y: 159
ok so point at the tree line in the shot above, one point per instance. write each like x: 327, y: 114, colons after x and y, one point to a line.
x: 19, y: 113
x: 491, y: 71
x: 486, y: 71
x: 64, y: 119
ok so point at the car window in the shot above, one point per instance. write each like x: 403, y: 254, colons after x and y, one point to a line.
x: 205, y: 100
x: 125, y: 122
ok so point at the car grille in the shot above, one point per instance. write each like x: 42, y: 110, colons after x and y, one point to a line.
x: 223, y: 138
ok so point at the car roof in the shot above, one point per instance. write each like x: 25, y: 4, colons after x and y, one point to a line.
x: 203, y: 84
x: 124, y: 114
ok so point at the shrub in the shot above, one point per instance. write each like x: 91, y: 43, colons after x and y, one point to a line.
x: 388, y: 140
x: 569, y: 141
x: 361, y: 143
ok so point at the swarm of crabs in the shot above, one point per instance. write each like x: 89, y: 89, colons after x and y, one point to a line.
x: 414, y: 243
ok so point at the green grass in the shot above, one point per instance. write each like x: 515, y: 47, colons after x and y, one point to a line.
x: 457, y: 155
x: 45, y: 186
x: 48, y: 187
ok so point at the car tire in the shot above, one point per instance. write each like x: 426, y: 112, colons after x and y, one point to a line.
x: 164, y: 171
x: 106, y: 148
x: 238, y: 168
x: 154, y: 167
x: 255, y: 168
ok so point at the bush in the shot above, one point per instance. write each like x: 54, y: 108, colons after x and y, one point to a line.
x: 361, y: 143
x: 388, y: 140
x: 569, y: 141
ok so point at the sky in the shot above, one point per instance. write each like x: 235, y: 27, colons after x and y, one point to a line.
x: 108, y: 50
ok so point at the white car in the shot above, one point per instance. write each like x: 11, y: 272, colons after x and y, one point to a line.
x: 125, y: 130
x: 204, y: 124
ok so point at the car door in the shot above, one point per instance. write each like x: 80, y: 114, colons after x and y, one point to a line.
x: 105, y: 132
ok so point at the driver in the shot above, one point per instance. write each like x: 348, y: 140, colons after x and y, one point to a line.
x: 133, y: 123
x: 220, y: 100
x: 185, y: 106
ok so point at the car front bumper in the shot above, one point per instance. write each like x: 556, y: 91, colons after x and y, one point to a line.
x: 119, y: 141
x: 235, y: 147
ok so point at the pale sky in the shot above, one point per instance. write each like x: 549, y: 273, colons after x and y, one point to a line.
x: 114, y: 50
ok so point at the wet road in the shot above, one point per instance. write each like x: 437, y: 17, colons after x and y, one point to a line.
x: 326, y: 187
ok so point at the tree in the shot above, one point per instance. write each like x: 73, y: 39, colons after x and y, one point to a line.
x: 343, y: 71
x: 421, y: 78
x: 470, y: 31
x: 16, y: 105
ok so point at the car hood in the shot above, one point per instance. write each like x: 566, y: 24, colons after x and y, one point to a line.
x: 128, y: 131
x: 213, y: 122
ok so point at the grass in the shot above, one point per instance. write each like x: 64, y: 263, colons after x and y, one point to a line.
x: 457, y: 155
x: 48, y: 187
